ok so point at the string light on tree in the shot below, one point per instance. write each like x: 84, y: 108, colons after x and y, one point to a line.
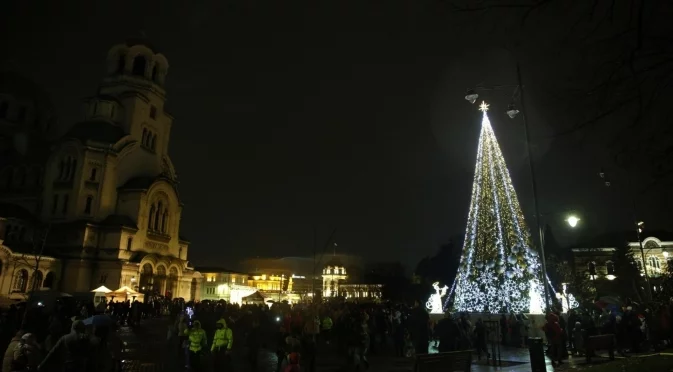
x: 499, y: 271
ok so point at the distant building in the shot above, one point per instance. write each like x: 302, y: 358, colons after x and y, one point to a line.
x: 291, y: 276
x: 597, y: 261
x: 223, y: 284
x: 103, y: 195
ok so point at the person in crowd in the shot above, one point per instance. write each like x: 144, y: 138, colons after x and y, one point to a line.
x: 197, y: 344
x: 72, y: 352
x: 9, y: 353
x: 480, y: 339
x: 420, y: 332
x: 578, y: 339
x: 554, y: 334
x: 448, y: 333
x: 223, y: 340
x: 28, y: 354
x: 327, y: 328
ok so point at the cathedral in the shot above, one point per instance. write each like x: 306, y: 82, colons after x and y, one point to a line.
x: 98, y: 205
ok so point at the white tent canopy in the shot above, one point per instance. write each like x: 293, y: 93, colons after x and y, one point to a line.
x: 102, y: 289
x: 125, y: 290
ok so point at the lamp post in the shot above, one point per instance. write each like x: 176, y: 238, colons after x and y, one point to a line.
x: 471, y: 96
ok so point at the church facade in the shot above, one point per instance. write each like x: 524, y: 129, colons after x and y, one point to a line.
x: 105, y: 196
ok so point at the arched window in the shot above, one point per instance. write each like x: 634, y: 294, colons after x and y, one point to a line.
x: 48, y: 280
x: 92, y: 176
x: 146, y: 278
x: 129, y: 243
x: 610, y: 267
x: 87, y: 206
x: 164, y: 221
x: 36, y: 283
x: 144, y: 140
x: 653, y: 262
x: 157, y: 217
x: 139, y: 64
x: 639, y: 263
x: 121, y: 63
x: 65, y: 203
x: 592, y: 268
x: 150, y: 223
x: 21, y: 281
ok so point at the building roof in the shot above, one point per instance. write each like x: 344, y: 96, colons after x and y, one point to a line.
x: 144, y: 182
x: 102, y: 131
x: 118, y: 220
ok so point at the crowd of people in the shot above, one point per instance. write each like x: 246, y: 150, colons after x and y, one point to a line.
x: 210, y: 335
x: 64, y: 334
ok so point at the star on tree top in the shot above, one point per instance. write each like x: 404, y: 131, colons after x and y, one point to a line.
x: 484, y: 106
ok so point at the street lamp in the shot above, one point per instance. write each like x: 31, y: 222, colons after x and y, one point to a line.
x: 512, y: 112
x: 572, y: 221
x: 471, y: 96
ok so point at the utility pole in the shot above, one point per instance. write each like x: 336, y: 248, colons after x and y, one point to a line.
x: 534, y: 187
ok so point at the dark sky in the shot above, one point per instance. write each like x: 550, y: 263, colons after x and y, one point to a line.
x: 348, y: 117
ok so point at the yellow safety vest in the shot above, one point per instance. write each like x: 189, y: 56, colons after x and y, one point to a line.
x: 224, y: 338
x: 197, y: 338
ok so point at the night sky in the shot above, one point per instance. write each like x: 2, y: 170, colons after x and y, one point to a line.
x: 351, y: 117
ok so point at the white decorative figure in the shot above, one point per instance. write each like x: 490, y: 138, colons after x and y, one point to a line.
x: 567, y: 299
x: 434, y: 304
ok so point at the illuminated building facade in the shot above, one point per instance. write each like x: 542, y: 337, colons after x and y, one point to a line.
x: 598, y: 263
x: 222, y: 284
x: 333, y: 275
x: 104, y: 194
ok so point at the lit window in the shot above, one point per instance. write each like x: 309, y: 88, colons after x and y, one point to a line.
x: 653, y: 262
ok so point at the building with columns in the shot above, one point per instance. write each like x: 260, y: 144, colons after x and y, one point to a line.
x: 106, y: 191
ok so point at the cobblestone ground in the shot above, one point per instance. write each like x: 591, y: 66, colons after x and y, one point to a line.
x: 146, y: 349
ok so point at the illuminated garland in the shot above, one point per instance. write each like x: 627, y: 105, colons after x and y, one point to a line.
x: 499, y: 271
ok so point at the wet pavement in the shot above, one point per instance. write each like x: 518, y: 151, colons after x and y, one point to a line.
x: 146, y: 349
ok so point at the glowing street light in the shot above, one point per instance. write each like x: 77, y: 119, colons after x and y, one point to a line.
x: 573, y: 221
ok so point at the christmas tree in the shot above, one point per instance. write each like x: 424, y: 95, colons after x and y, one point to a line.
x: 499, y: 271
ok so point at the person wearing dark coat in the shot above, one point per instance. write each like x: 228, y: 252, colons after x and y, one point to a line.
x: 72, y: 352
x: 421, y: 330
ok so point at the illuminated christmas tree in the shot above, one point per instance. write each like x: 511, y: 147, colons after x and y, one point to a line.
x: 499, y: 271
